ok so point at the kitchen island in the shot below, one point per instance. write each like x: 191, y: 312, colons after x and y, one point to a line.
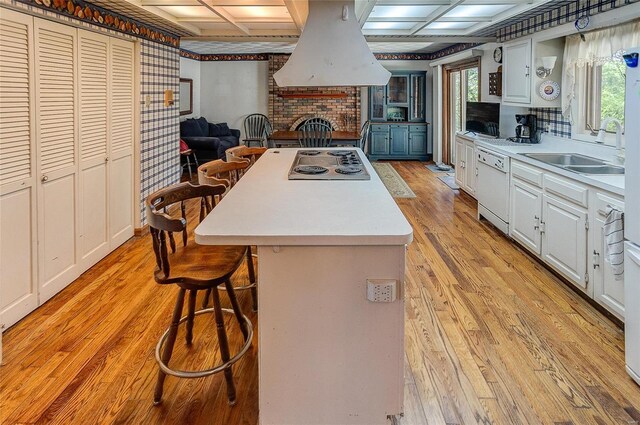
x: 327, y: 355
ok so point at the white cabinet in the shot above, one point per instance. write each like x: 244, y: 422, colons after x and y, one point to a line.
x: 607, y: 291
x: 564, y: 241
x: 526, y: 215
x: 516, y: 75
x: 520, y: 82
x: 466, y: 170
x: 66, y: 169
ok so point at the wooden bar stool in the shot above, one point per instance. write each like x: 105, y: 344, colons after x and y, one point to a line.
x: 245, y: 152
x: 187, y: 153
x: 192, y: 268
x: 228, y: 173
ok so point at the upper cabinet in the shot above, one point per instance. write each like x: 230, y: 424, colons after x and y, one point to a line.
x: 401, y: 100
x: 522, y: 84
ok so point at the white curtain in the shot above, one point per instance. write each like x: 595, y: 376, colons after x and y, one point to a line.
x: 597, y: 48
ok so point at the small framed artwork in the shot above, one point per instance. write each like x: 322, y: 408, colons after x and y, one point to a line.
x: 186, y: 96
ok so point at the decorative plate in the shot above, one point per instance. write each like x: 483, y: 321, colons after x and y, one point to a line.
x: 582, y: 22
x: 549, y: 90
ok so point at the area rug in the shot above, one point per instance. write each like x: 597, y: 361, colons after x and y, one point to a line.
x: 392, y: 180
x: 434, y: 169
x: 449, y: 180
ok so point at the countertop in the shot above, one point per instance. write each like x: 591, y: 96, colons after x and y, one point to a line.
x: 613, y: 183
x: 265, y: 208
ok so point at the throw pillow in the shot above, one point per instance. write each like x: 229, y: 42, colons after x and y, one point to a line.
x: 218, y: 130
x: 190, y: 128
x: 204, y: 125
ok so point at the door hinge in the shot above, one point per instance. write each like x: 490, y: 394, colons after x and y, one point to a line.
x: 596, y: 259
x: 542, y: 227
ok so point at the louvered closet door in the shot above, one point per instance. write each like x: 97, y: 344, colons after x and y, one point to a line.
x: 18, y: 248
x: 121, y: 109
x: 93, y: 55
x: 56, y: 118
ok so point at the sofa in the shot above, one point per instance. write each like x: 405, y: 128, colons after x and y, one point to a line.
x: 208, y: 141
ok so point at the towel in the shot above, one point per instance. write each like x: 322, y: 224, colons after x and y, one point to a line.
x: 614, y: 239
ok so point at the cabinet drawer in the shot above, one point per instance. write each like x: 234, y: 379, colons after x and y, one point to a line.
x: 379, y: 127
x: 526, y: 173
x: 566, y: 189
x: 603, y: 202
x: 418, y: 128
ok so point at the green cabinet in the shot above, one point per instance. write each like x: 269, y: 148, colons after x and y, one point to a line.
x: 398, y: 141
x: 418, y: 143
x: 379, y: 143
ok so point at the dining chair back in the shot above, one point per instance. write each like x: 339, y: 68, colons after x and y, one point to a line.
x: 314, y: 135
x: 319, y: 120
x: 245, y: 153
x: 256, y: 129
x: 222, y: 172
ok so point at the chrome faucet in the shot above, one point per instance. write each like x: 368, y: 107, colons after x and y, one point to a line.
x: 602, y: 132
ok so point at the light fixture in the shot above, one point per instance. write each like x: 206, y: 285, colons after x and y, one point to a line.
x: 332, y: 51
x: 548, y: 62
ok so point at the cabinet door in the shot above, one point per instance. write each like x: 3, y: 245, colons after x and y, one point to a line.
x: 378, y: 108
x: 56, y: 132
x: 417, y: 107
x: 417, y: 143
x: 564, y: 245
x: 526, y: 215
x: 379, y: 143
x: 607, y: 291
x: 517, y: 72
x: 18, y: 225
x: 398, y: 90
x: 399, y: 139
x: 460, y: 163
x: 470, y: 169
x: 121, y: 142
x: 93, y: 97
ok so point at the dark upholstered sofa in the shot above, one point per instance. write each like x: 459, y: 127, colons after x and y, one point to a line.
x: 208, y: 141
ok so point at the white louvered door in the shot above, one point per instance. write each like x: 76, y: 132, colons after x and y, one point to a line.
x: 93, y: 62
x: 121, y: 112
x: 56, y: 135
x: 18, y: 243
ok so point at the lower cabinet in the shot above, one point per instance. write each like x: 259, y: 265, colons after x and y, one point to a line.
x: 398, y: 141
x: 466, y: 169
x: 562, y: 222
x: 607, y: 291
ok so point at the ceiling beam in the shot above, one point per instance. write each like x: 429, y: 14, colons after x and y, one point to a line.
x: 442, y: 19
x: 298, y: 11
x: 217, y: 19
x: 214, y: 3
x: 438, y: 13
x: 146, y: 3
x: 366, y: 11
x: 447, y: 2
x: 266, y: 36
x: 225, y: 15
x: 166, y: 16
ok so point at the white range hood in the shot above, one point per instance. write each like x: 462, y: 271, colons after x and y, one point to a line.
x: 332, y: 51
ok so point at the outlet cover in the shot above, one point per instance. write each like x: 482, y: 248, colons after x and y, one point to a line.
x: 382, y: 290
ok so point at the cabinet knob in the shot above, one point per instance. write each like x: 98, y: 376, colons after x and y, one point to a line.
x: 44, y: 178
x: 106, y: 159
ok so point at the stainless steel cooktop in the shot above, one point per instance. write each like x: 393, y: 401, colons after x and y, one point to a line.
x: 325, y: 164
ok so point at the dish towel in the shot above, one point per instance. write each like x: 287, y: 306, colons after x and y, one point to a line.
x: 614, y: 239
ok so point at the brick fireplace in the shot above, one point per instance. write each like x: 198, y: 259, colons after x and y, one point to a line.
x: 288, y: 106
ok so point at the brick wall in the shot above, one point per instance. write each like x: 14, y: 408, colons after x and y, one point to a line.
x: 283, y: 112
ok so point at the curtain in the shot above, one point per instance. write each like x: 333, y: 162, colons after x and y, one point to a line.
x: 598, y: 47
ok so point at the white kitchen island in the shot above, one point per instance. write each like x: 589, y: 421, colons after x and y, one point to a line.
x: 327, y: 355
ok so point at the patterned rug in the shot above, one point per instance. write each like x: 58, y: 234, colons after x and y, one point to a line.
x: 449, y: 180
x: 392, y: 180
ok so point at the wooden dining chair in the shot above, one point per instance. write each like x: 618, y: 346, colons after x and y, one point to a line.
x: 255, y: 129
x: 192, y: 268
x: 319, y: 120
x: 228, y: 173
x: 314, y: 135
x: 239, y: 153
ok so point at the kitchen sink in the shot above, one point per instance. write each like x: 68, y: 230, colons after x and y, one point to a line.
x: 596, y: 169
x: 564, y: 159
x: 577, y: 163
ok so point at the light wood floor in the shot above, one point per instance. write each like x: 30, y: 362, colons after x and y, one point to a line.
x: 491, y: 338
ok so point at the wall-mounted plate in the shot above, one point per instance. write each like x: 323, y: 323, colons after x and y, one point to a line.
x: 549, y: 90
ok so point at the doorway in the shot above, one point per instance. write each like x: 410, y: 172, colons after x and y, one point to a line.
x: 462, y: 85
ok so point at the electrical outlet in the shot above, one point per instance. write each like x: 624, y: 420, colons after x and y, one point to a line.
x: 382, y: 290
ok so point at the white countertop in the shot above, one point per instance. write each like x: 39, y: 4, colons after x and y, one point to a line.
x: 612, y: 183
x: 265, y: 208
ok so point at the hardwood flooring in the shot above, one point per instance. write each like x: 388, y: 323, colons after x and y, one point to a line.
x: 491, y: 337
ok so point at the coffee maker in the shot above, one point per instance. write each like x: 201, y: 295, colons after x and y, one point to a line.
x: 527, y: 129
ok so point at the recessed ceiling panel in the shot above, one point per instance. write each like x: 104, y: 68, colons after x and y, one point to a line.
x: 264, y: 12
x: 449, y: 25
x: 402, y: 11
x: 189, y: 11
x: 483, y: 11
x: 389, y: 25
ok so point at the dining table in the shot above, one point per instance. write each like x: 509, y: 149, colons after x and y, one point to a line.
x: 286, y: 138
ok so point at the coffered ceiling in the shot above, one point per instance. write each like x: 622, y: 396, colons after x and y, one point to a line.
x: 257, y: 26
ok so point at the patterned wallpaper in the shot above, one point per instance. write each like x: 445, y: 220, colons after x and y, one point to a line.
x: 553, y: 117
x: 160, y: 125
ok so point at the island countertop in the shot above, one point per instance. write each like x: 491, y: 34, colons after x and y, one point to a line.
x: 265, y: 208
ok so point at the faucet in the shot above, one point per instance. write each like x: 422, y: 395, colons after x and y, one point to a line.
x: 602, y: 132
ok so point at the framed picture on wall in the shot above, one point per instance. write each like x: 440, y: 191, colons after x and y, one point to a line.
x: 186, y: 96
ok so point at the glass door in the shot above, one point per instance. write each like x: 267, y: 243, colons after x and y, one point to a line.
x: 417, y: 98
x: 378, y: 104
x: 398, y: 90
